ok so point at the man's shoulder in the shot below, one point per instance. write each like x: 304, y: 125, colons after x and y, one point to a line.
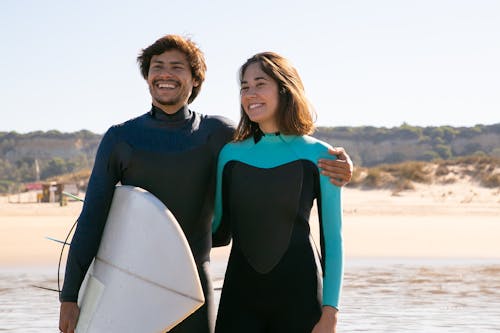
x: 217, y: 121
x: 132, y: 122
x: 121, y: 131
x: 219, y: 128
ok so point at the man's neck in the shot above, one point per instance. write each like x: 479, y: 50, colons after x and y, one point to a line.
x: 168, y: 109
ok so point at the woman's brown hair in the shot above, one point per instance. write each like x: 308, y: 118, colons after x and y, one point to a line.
x: 295, y: 113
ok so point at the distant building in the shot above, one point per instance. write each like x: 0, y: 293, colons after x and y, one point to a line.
x: 52, y: 192
x: 33, y: 186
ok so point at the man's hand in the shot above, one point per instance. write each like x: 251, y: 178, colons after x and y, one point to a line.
x: 68, y: 317
x: 339, y: 170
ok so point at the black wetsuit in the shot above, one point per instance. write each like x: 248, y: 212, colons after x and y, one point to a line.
x: 172, y: 156
x: 265, y: 190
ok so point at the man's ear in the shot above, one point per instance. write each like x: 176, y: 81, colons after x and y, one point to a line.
x: 196, y: 83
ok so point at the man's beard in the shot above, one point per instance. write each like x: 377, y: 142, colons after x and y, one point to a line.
x: 169, y: 102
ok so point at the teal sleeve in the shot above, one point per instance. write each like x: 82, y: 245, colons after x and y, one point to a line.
x: 331, y: 224
x: 330, y: 218
x: 218, y: 190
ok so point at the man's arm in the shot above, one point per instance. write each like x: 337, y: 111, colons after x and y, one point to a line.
x: 86, y: 239
x: 340, y: 170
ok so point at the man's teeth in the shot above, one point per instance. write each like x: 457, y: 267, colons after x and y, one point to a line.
x: 166, y: 85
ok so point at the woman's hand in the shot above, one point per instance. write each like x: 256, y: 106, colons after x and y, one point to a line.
x: 328, y: 321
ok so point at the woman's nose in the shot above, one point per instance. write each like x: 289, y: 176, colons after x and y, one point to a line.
x: 249, y: 92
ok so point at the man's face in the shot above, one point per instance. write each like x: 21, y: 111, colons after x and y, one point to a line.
x: 170, y: 80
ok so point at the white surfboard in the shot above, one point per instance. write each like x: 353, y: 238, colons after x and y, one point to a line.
x: 144, y: 278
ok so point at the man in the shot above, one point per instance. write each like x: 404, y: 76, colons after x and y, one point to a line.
x: 172, y: 152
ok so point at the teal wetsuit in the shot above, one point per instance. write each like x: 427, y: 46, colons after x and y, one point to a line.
x: 265, y: 189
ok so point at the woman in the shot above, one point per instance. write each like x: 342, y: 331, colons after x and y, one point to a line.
x: 266, y: 182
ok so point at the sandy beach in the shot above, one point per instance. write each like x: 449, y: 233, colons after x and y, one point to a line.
x: 428, y: 258
x: 434, y: 221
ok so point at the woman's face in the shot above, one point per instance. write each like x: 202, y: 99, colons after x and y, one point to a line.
x: 260, y: 98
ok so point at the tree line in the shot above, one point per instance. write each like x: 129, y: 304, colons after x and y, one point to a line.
x: 39, y: 155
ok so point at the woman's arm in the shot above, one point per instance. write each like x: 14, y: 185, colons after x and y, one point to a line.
x: 330, y: 217
x: 221, y: 234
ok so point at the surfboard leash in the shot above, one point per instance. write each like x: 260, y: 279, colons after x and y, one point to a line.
x: 61, y: 255
x: 64, y: 243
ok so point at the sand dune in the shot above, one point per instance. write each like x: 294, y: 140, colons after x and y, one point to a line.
x: 434, y: 221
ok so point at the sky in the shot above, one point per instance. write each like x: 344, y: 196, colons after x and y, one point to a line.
x: 71, y: 65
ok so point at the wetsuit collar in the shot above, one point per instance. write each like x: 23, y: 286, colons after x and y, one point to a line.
x: 179, y: 117
x: 259, y: 135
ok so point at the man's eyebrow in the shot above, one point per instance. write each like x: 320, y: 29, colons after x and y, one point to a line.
x: 172, y: 62
x: 177, y: 62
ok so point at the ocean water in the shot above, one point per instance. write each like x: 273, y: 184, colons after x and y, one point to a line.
x: 378, y: 296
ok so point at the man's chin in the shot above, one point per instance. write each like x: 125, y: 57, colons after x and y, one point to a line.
x: 166, y: 103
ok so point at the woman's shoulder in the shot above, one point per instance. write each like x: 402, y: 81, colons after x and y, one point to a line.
x: 235, y: 149
x: 235, y: 146
x: 311, y: 145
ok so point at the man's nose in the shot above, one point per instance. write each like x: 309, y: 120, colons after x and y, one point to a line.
x: 166, y: 72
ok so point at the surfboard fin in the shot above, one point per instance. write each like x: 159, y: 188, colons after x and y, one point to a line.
x: 57, y: 240
x: 44, y: 288
x: 72, y: 196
